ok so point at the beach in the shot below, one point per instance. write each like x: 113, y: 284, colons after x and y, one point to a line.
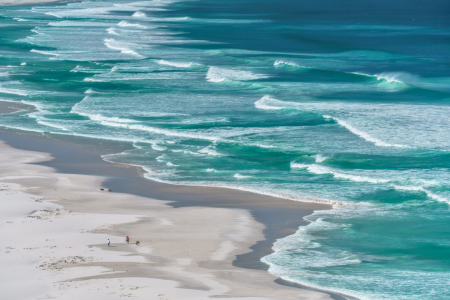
x: 56, y: 227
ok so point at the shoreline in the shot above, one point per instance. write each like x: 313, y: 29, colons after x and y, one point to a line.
x: 265, y: 210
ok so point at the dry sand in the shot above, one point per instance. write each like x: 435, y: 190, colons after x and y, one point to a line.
x: 54, y: 231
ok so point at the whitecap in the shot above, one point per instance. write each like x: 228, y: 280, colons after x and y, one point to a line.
x: 161, y: 158
x: 216, y: 74
x: 239, y: 176
x: 269, y: 103
x: 175, y: 64
x: 111, y: 30
x: 157, y: 147
x: 320, y: 158
x: 127, y: 24
x: 13, y: 91
x: 321, y: 170
x: 280, y: 62
x: 44, y: 52
x: 139, y: 14
x: 208, y: 150
x: 122, y: 47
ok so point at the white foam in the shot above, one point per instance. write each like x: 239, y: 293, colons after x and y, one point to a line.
x: 208, y: 150
x: 157, y: 147
x: 280, y: 62
x: 13, y: 91
x: 49, y: 124
x: 23, y: 64
x: 319, y: 169
x: 239, y: 176
x: 122, y: 47
x: 111, y: 30
x: 269, y: 103
x: 35, y: 31
x: 216, y: 74
x: 95, y: 79
x: 139, y: 14
x: 174, y: 64
x: 387, y: 125
x: 85, y: 70
x: 171, y: 164
x: 77, y: 24
x: 127, y: 24
x: 44, y: 52
x: 364, y: 135
x: 320, y: 158
x: 78, y: 109
x: 161, y: 158
x: 101, y: 118
x: 211, y: 170
x: 166, y: 132
x: 390, y: 77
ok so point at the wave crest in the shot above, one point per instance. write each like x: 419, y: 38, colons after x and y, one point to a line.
x: 216, y: 74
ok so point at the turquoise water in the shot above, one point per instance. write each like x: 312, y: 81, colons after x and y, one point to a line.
x: 344, y: 103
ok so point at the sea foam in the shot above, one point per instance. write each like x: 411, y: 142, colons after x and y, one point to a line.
x: 216, y: 74
x: 139, y: 14
x: 280, y: 62
x: 320, y: 170
x: 174, y: 64
x: 127, y: 24
x: 269, y: 103
x: 122, y: 47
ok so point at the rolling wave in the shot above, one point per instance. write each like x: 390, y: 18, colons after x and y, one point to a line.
x: 269, y: 103
x: 364, y: 135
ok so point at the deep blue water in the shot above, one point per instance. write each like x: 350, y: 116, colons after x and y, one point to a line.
x: 345, y: 103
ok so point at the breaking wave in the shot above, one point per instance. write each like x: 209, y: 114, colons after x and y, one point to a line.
x: 216, y: 74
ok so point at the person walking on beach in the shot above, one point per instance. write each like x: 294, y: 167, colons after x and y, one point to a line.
x: 109, y: 243
x: 128, y: 240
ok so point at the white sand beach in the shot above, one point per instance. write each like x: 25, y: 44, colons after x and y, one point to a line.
x: 54, y: 236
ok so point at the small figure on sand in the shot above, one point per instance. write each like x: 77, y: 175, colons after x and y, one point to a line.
x: 128, y: 240
x: 109, y: 243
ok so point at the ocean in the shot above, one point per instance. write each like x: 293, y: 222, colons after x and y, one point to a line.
x: 339, y: 102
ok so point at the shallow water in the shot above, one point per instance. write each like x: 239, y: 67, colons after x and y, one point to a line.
x: 347, y: 105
